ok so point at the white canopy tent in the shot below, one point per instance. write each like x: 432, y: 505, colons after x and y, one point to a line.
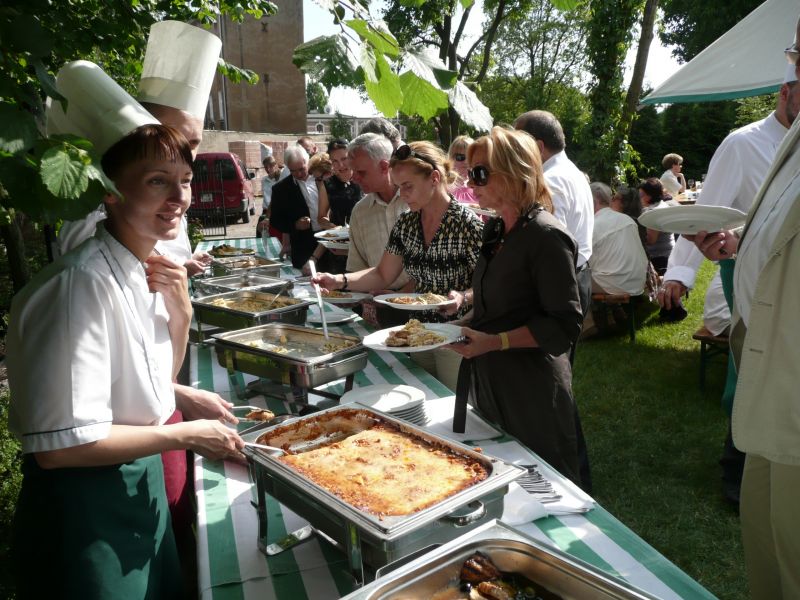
x: 746, y: 61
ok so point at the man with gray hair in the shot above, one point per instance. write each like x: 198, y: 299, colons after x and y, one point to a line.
x: 385, y: 128
x: 295, y: 206
x: 376, y: 213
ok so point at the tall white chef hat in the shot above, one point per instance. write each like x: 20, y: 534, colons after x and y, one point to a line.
x: 790, y: 75
x: 179, y: 67
x: 98, y: 109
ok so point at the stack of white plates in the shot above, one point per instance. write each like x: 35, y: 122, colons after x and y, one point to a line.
x: 400, y: 401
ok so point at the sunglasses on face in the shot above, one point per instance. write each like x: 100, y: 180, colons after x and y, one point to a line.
x: 405, y: 152
x: 478, y: 175
x: 792, y: 53
x: 460, y: 157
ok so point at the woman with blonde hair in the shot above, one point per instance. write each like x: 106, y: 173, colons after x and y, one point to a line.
x: 458, y: 154
x: 437, y: 241
x: 526, y: 310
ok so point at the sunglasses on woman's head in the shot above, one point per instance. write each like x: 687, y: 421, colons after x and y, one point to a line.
x: 479, y: 175
x: 405, y: 152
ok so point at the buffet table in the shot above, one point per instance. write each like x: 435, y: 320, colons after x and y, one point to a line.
x: 231, y: 566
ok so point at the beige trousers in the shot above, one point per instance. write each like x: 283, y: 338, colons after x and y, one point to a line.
x: 770, y: 516
x: 442, y: 364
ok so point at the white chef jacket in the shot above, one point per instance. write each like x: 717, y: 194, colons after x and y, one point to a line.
x: 619, y: 263
x: 735, y: 173
x: 573, y: 204
x: 73, y: 233
x: 88, y: 347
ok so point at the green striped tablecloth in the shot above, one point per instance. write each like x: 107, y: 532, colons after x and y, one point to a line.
x: 231, y: 566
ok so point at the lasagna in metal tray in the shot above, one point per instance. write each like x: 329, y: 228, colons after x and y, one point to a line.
x: 380, y: 469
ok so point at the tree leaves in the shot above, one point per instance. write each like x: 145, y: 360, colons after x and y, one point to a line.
x: 420, y: 97
x: 383, y: 85
x: 64, y: 171
x: 236, y: 74
x: 471, y: 110
x: 18, y: 131
x: 326, y: 59
x: 376, y: 34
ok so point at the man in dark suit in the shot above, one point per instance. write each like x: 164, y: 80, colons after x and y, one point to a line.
x: 295, y: 201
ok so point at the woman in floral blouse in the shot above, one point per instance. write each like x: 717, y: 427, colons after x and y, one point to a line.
x: 437, y: 241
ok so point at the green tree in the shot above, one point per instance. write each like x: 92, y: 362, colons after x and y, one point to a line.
x: 341, y: 127
x: 47, y: 179
x: 754, y: 108
x: 647, y: 137
x: 316, y: 97
x: 691, y: 26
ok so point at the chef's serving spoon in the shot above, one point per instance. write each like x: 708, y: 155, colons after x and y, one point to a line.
x: 272, y: 450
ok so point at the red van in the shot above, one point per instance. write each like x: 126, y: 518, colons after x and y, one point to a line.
x: 221, y: 187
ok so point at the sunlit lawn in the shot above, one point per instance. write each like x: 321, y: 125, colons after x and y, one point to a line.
x: 654, y: 441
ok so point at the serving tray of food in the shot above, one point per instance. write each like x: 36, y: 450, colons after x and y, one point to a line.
x: 237, y: 265
x: 243, y: 281
x: 247, y: 308
x: 497, y: 561
x: 335, y: 475
x: 290, y: 354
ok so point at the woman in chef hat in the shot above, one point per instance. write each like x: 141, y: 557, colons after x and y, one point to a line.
x: 109, y: 322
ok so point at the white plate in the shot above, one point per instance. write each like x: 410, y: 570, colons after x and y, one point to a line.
x: 333, y: 234
x: 354, y: 298
x: 377, y: 340
x: 333, y: 315
x: 385, y: 397
x: 384, y: 299
x: 688, y: 220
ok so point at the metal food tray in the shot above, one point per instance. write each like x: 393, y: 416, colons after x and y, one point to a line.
x: 205, y: 313
x: 227, y: 266
x: 244, y: 281
x: 368, y: 538
x: 512, y: 552
x: 236, y: 354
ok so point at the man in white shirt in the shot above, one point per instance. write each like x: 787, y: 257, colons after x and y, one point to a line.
x: 574, y: 207
x: 619, y: 263
x: 376, y: 213
x: 734, y: 175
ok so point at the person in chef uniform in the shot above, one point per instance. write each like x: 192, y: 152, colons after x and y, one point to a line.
x: 110, y: 319
x: 178, y: 70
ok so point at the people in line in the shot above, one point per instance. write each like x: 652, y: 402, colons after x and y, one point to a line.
x: 272, y: 172
x: 343, y: 192
x: 374, y: 216
x: 436, y: 242
x: 92, y: 430
x: 574, y: 207
x: 297, y: 206
x: 526, y: 307
x: 658, y: 243
x: 672, y: 179
x: 307, y: 144
x: 458, y: 155
x: 619, y: 262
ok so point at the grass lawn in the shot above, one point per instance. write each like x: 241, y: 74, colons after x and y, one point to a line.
x: 654, y: 441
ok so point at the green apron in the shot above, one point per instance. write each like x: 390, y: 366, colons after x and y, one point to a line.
x: 95, y: 532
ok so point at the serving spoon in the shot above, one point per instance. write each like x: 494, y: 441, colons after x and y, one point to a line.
x: 272, y: 450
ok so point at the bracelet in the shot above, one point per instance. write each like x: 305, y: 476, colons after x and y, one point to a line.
x: 344, y: 280
x: 504, y: 345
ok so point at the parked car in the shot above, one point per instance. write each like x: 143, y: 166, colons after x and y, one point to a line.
x: 221, y: 186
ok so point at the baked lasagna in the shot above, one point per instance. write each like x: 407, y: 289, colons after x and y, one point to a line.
x: 387, y: 472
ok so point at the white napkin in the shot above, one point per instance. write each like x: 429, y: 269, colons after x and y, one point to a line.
x: 440, y: 412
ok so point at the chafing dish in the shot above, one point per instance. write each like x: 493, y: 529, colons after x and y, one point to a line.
x: 237, y: 265
x: 239, y: 351
x: 244, y: 281
x: 512, y: 552
x: 369, y: 539
x: 207, y: 313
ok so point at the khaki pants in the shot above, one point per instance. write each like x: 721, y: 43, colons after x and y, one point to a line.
x: 442, y: 364
x: 770, y: 515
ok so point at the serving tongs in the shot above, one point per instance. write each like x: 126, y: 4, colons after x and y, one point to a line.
x: 313, y: 268
x: 284, y: 288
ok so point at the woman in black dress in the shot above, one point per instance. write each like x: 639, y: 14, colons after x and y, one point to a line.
x: 526, y: 310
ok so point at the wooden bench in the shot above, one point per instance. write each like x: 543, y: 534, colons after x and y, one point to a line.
x: 710, y: 346
x: 626, y: 302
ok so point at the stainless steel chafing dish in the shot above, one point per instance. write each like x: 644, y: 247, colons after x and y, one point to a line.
x: 244, y: 281
x: 367, y: 538
x: 236, y: 265
x: 313, y: 366
x: 207, y: 313
x: 512, y: 552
